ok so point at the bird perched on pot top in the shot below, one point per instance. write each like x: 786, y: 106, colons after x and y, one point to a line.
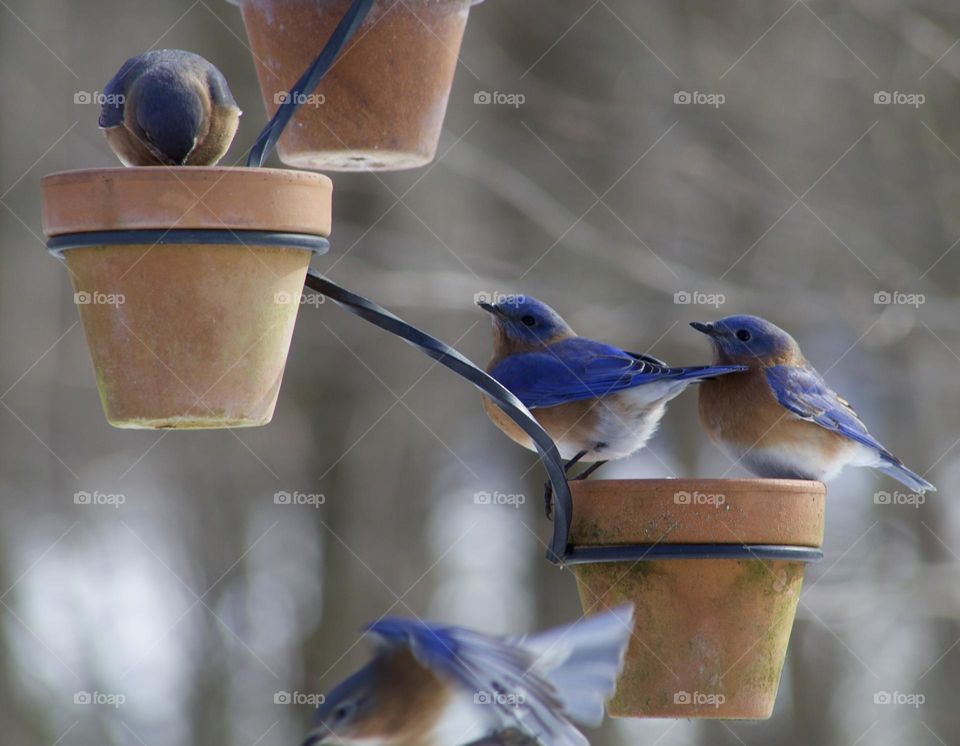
x: 779, y: 419
x: 596, y: 401
x: 168, y: 107
x: 433, y: 685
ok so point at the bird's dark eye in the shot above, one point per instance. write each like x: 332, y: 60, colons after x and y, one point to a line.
x: 528, y: 320
x: 743, y: 335
x: 341, y: 712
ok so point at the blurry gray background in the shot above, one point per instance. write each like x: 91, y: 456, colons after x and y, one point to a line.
x: 799, y: 198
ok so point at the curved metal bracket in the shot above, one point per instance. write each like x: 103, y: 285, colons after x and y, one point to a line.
x: 449, y: 357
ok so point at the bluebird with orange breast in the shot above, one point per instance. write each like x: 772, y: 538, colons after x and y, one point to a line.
x: 434, y: 685
x: 596, y: 401
x: 168, y: 107
x: 778, y: 418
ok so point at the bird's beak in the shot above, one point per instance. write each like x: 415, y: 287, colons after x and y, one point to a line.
x: 316, y: 738
x: 711, y: 330
x: 489, y: 308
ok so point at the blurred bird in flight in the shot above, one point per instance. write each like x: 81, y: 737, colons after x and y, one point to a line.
x: 434, y: 685
x: 778, y: 418
x: 168, y: 107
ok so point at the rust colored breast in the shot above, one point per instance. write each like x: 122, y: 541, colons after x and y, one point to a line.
x: 741, y: 409
x: 409, y: 716
x: 571, y: 425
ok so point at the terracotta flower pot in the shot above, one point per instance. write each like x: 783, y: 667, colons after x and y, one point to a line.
x: 188, y: 281
x: 711, y: 633
x: 382, y: 104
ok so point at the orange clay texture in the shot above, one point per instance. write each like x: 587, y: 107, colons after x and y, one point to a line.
x: 382, y: 104
x: 704, y: 627
x: 710, y: 635
x: 199, y: 341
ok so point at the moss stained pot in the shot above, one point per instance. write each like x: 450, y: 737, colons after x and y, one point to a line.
x: 382, y: 104
x: 710, y: 634
x: 189, y: 317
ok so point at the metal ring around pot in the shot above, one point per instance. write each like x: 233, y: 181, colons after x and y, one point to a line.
x: 301, y: 241
x: 578, y: 555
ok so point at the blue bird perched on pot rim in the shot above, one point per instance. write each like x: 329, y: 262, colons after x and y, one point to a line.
x: 434, y: 685
x: 168, y: 107
x: 778, y: 418
x: 596, y: 401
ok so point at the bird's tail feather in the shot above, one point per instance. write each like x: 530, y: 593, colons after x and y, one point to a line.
x: 893, y: 468
x: 699, y: 372
x: 583, y: 660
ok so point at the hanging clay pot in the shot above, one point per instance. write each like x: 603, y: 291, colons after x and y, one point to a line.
x: 715, y: 591
x: 188, y: 281
x: 382, y: 104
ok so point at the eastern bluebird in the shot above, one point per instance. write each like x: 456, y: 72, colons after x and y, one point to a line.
x: 596, y: 401
x: 433, y: 685
x: 169, y: 108
x: 778, y: 418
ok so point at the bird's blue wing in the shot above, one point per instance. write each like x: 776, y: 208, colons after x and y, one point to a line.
x: 499, y: 674
x: 579, y: 368
x: 803, y: 392
x: 111, y: 112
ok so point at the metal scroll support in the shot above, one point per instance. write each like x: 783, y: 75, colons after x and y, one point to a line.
x: 449, y: 357
x: 373, y: 313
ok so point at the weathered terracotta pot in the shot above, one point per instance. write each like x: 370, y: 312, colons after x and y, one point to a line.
x: 710, y: 634
x: 382, y: 104
x: 187, y: 335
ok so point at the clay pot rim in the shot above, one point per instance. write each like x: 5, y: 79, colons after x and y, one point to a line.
x: 644, y: 511
x: 131, y: 172
x: 277, y: 200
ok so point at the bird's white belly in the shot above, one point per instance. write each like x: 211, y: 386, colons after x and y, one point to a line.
x: 464, y: 721
x: 799, y: 460
x: 625, y: 422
